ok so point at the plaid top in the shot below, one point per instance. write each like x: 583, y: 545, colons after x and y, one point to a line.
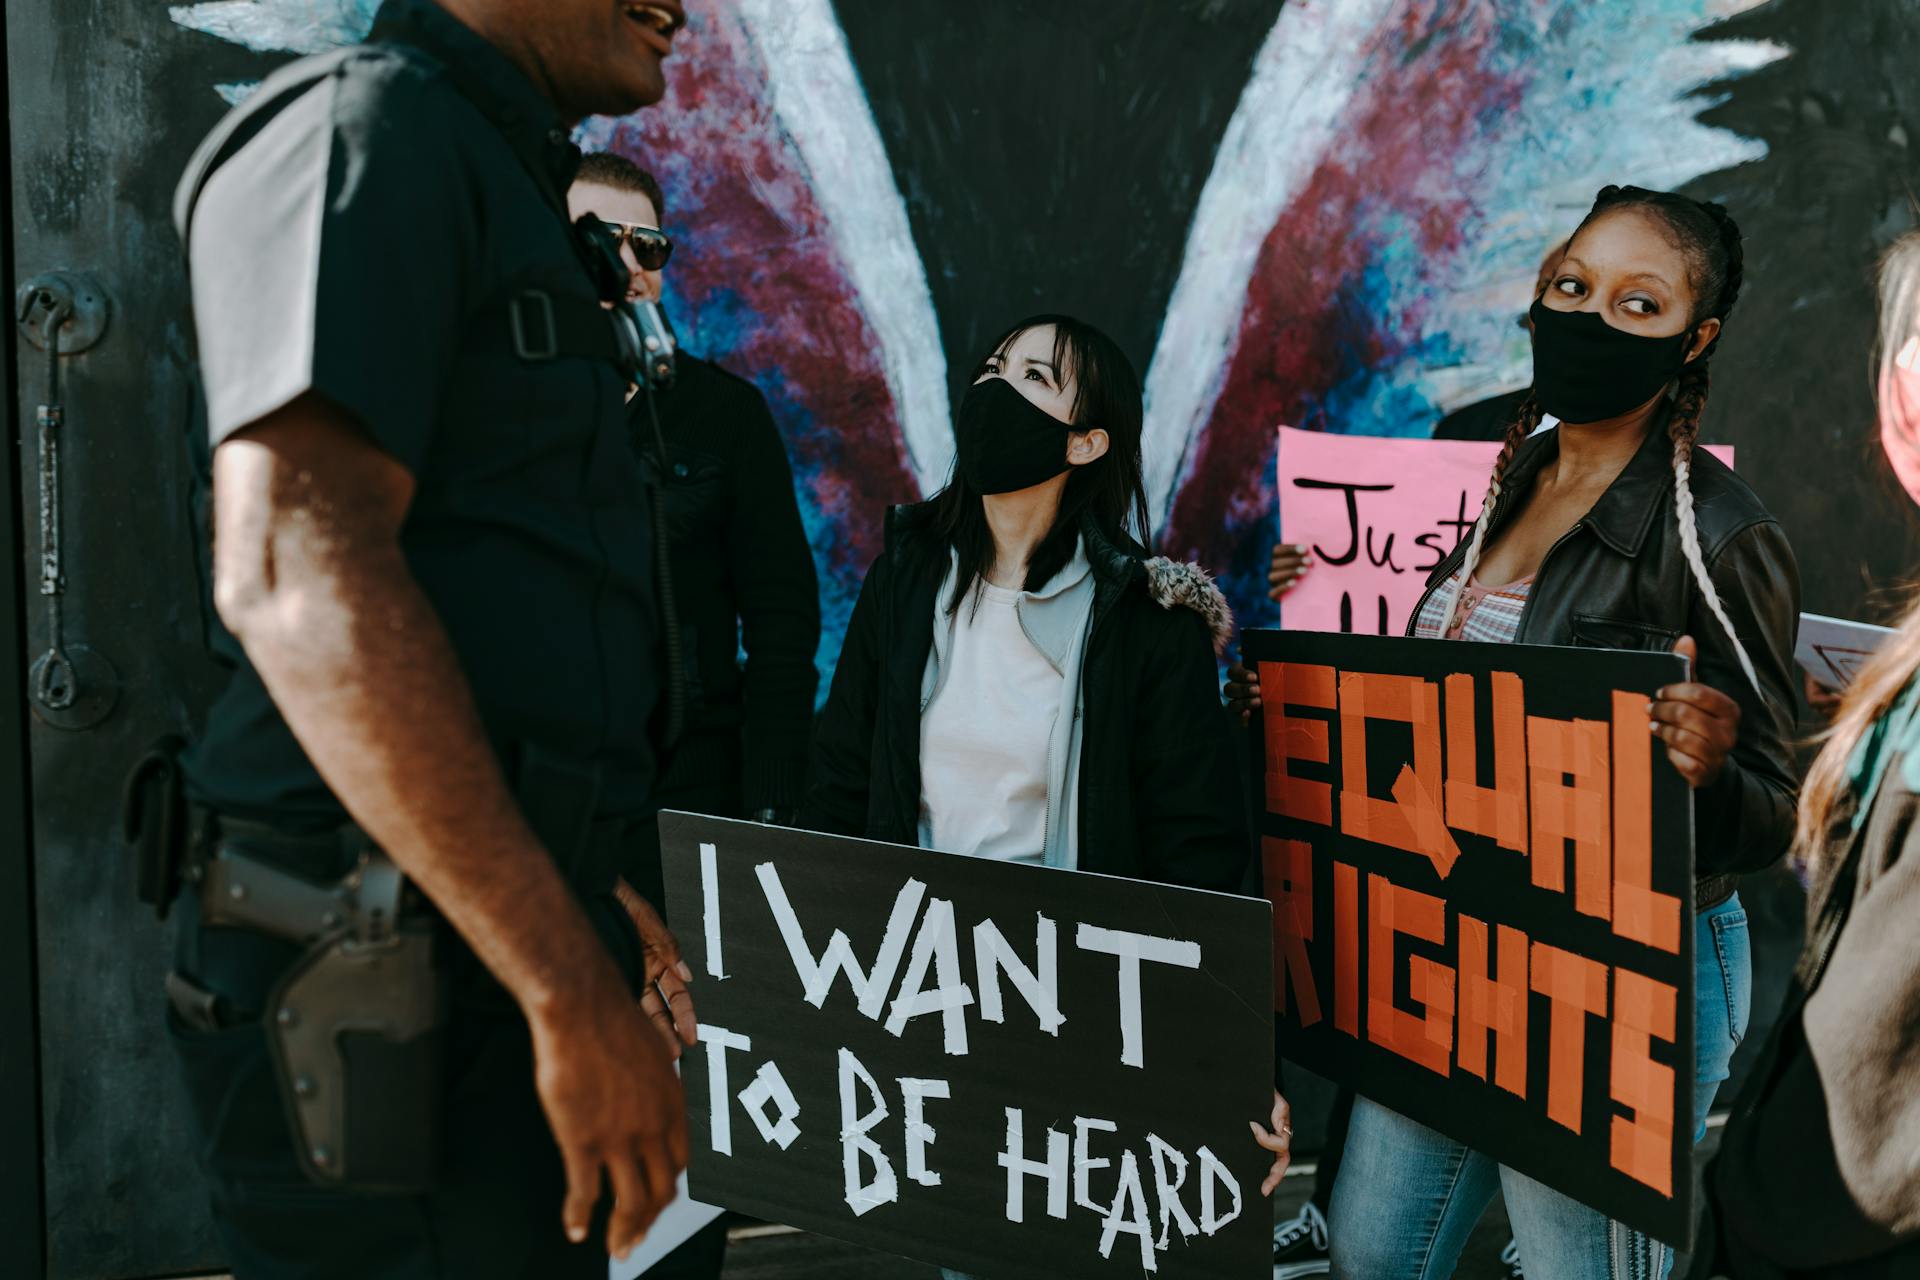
x: 1487, y: 614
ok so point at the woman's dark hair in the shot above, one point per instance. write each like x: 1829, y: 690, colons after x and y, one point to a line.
x: 1111, y: 491
x: 1706, y: 236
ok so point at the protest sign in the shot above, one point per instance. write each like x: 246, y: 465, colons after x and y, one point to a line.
x: 1481, y: 866
x: 1832, y: 650
x: 1379, y: 514
x: 1007, y: 1069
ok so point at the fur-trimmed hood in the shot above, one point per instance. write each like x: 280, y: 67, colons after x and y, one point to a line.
x: 1169, y: 583
x: 1183, y: 583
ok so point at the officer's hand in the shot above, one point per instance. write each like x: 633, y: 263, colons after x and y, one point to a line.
x: 611, y: 1096
x: 667, y: 1000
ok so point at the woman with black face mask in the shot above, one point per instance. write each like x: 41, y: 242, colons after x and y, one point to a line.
x: 1020, y: 680
x: 1613, y: 531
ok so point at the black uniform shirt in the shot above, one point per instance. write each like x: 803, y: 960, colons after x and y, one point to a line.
x: 355, y: 245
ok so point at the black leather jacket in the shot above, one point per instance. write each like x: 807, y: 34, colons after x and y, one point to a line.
x: 1617, y: 580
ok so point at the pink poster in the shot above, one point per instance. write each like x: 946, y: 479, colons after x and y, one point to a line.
x: 1378, y: 514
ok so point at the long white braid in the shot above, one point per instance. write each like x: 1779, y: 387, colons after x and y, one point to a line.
x: 1522, y: 426
x: 1684, y: 427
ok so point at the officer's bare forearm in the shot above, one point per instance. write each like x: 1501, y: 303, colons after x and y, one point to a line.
x: 310, y: 577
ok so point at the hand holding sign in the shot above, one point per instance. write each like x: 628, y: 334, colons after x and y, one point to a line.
x: 666, y: 999
x: 1290, y: 562
x: 1278, y: 1140
x: 1698, y: 723
x: 1243, y: 690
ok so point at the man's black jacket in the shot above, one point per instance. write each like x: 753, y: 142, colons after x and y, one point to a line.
x: 742, y: 577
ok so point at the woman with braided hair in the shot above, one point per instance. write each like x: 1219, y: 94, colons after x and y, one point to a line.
x: 1612, y: 531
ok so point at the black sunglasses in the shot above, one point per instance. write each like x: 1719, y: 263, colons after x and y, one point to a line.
x: 651, y: 246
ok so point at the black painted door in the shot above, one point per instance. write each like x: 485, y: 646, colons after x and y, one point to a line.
x: 108, y: 98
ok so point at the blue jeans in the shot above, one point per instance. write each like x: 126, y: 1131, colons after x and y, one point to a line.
x: 1408, y: 1198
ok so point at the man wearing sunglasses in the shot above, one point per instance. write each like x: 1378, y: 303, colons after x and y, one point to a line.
x: 742, y: 575
x: 629, y: 204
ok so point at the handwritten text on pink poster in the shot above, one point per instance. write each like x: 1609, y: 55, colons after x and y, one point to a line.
x: 1378, y: 514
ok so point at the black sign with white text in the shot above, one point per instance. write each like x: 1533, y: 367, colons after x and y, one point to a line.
x: 1005, y: 1069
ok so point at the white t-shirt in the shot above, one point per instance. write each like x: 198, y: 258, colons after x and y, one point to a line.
x: 984, y: 737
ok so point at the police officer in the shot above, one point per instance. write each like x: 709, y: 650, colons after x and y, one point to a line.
x: 405, y: 996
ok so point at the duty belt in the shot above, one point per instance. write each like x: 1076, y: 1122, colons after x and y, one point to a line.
x: 244, y: 882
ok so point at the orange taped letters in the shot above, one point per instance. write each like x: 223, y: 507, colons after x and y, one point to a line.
x: 1641, y: 1145
x: 1418, y: 827
x: 1494, y: 1001
x: 1638, y: 912
x: 1498, y: 812
x: 1297, y: 738
x: 1577, y: 987
x: 1576, y: 811
x: 1289, y: 874
x: 1346, y: 948
x: 1394, y: 909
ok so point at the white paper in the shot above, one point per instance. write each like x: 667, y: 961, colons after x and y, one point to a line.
x: 1833, y: 650
x: 674, y: 1227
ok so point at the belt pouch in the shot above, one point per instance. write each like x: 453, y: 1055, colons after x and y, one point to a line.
x: 153, y: 821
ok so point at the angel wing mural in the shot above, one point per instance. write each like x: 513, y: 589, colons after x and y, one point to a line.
x: 1361, y: 236
x: 1375, y: 216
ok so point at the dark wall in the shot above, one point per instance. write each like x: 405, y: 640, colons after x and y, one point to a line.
x: 1050, y: 154
x: 1841, y: 119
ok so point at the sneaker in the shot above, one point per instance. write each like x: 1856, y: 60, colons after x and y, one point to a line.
x: 1300, y: 1245
x: 1510, y: 1258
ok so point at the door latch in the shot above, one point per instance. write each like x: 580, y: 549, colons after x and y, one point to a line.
x: 72, y: 685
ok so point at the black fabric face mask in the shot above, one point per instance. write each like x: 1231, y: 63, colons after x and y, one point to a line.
x: 1585, y: 370
x: 1006, y: 442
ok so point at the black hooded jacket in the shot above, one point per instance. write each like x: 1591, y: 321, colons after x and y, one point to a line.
x: 1160, y: 791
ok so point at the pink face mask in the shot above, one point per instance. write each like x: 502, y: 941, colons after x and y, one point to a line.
x: 1900, y: 416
